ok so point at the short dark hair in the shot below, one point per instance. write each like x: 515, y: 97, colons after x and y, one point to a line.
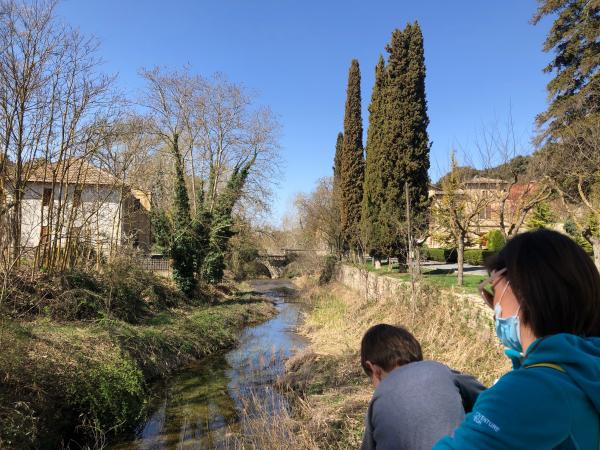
x: 555, y: 282
x: 388, y: 347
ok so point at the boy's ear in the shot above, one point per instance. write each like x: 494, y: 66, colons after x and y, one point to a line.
x: 376, y: 371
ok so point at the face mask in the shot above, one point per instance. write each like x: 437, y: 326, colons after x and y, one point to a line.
x: 507, y: 328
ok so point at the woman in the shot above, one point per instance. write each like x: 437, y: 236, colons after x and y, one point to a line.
x: 545, y: 292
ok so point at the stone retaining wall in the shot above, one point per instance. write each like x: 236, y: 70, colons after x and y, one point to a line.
x: 369, y: 284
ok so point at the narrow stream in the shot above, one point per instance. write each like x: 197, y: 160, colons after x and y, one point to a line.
x: 204, y: 405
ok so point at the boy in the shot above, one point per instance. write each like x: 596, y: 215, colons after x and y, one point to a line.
x: 415, y: 402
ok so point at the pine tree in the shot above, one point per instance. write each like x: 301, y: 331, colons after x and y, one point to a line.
x: 374, y: 184
x: 574, y: 36
x: 352, y: 162
x: 541, y: 217
x: 405, y: 142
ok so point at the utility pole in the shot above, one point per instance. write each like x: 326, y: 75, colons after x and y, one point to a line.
x: 409, y: 259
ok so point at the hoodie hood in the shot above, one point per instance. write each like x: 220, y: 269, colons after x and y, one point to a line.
x: 579, y: 356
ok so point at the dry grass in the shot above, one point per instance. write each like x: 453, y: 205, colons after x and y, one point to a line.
x: 330, y: 391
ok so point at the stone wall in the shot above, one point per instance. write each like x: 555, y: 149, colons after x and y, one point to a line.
x: 371, y: 285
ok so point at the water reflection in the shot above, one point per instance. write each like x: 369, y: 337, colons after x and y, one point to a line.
x: 199, y: 407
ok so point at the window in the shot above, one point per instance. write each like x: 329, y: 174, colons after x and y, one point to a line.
x: 137, y: 205
x: 46, y: 196
x: 77, y: 197
x: 486, y: 213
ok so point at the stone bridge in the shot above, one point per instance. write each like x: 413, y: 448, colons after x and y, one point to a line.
x: 274, y: 263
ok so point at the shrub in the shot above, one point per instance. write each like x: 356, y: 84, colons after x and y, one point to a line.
x: 477, y: 257
x: 328, y: 270
x: 495, y: 241
x: 444, y: 255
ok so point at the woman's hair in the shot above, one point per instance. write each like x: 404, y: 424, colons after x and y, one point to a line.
x: 388, y: 347
x: 555, y: 282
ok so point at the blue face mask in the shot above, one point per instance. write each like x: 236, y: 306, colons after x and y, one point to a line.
x: 508, y: 329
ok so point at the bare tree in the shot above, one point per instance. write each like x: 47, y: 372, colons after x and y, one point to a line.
x: 574, y: 170
x: 54, y: 108
x: 457, y: 207
x: 320, y: 222
x: 526, y: 186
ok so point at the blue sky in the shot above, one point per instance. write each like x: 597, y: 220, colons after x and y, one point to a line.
x: 483, y: 60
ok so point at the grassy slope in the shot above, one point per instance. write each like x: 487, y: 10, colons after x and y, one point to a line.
x: 434, y: 278
x: 94, y: 374
x: 332, y: 390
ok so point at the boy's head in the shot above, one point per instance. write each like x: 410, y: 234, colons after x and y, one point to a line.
x: 385, y: 347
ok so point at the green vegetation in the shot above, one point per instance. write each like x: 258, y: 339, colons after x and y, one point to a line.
x: 443, y: 255
x: 351, y: 162
x: 495, y: 241
x: 541, y: 217
x: 79, y: 350
x: 436, y: 277
x: 397, y: 146
x: 574, y: 40
x: 374, y: 185
x: 476, y: 256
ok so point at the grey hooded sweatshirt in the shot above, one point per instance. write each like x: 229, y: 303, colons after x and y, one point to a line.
x: 416, y: 405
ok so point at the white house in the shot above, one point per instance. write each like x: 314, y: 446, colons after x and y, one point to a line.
x: 74, y: 201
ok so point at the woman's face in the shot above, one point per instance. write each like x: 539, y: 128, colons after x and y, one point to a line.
x: 504, y: 295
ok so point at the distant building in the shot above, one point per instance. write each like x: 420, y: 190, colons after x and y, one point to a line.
x: 76, y: 202
x: 488, y: 218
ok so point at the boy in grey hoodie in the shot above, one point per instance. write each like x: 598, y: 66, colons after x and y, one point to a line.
x: 415, y: 402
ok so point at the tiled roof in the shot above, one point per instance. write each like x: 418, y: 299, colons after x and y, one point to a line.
x: 479, y: 180
x: 71, y: 171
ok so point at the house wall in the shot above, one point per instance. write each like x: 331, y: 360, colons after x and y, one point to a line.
x: 98, y: 215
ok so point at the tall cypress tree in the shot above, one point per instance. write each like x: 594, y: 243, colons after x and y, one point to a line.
x: 417, y: 144
x: 374, y: 184
x: 352, y: 162
x: 337, y: 165
x: 405, y: 142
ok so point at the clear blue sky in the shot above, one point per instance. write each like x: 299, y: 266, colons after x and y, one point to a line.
x: 483, y: 58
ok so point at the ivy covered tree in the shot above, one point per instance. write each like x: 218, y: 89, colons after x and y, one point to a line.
x: 352, y: 162
x: 175, y: 234
x: 375, y: 182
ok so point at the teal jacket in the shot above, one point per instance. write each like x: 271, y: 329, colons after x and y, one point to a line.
x: 539, y: 407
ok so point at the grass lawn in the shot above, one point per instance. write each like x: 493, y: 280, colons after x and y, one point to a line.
x: 434, y: 277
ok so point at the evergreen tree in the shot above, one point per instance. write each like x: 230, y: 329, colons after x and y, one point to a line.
x: 182, y: 243
x: 541, y: 217
x: 404, y: 140
x: 337, y: 167
x: 221, y: 224
x: 374, y: 184
x: 574, y: 36
x: 352, y: 162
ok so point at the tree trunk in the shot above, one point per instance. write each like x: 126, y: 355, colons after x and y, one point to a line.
x: 596, y: 248
x: 460, y: 258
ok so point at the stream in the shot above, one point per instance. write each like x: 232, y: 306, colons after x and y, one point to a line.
x: 205, y: 405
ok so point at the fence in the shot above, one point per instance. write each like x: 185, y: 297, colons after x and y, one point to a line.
x: 161, y: 265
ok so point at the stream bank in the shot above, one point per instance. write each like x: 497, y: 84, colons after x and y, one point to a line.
x: 212, y: 403
x: 74, y: 383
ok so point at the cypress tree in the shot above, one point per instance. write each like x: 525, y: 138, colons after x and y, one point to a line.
x: 405, y: 142
x: 374, y: 183
x: 337, y: 166
x: 352, y: 162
